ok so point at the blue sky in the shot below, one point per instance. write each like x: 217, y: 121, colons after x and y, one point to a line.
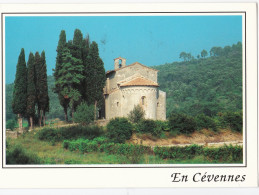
x: 150, y: 40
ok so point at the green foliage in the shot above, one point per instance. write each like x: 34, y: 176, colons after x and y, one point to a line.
x: 72, y: 132
x: 186, y: 152
x: 210, y: 85
x: 137, y: 114
x: 31, y: 88
x: 225, y: 153
x: 182, y: 123
x: 232, y: 120
x: 119, y: 130
x: 95, y: 75
x: 205, y: 122
x: 148, y: 126
x: 18, y: 155
x: 20, y: 86
x: 84, y: 114
x: 43, y: 98
x: 10, y: 124
x: 204, y: 53
x: 222, y: 154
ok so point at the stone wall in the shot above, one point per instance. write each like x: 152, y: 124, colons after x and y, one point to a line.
x: 161, y: 106
x: 129, y: 71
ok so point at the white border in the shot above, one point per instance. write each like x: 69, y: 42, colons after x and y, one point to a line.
x: 148, y: 177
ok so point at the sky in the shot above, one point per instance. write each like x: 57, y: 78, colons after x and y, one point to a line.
x: 150, y: 40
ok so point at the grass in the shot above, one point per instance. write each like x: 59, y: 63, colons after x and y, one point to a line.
x: 56, y: 154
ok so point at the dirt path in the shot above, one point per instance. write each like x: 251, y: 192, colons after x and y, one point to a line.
x: 204, y: 137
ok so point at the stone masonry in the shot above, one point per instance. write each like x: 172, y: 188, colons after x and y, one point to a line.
x: 135, y: 84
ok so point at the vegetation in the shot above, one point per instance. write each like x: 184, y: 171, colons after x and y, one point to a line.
x: 137, y: 114
x: 79, y: 73
x: 54, y: 135
x: 19, y: 100
x: 182, y: 123
x: 84, y: 114
x: 119, y: 130
x: 210, y: 85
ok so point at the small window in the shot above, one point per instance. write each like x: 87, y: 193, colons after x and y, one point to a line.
x: 143, y: 100
x: 117, y: 103
x: 120, y: 63
x: 157, y: 104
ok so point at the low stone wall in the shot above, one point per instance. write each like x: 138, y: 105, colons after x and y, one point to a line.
x: 11, y: 134
x: 102, y: 122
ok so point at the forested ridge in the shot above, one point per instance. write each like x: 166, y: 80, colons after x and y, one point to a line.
x: 208, y: 85
x: 205, y: 85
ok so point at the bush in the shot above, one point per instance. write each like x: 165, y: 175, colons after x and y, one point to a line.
x: 119, y: 130
x: 19, y: 155
x: 10, y: 124
x: 137, y: 114
x: 232, y: 120
x: 73, y: 132
x: 205, y: 122
x: 148, y: 126
x: 84, y: 114
x: 182, y: 123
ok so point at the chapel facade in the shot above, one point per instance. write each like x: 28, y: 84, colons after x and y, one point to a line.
x: 130, y: 85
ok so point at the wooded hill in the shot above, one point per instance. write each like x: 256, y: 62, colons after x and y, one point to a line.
x: 208, y: 85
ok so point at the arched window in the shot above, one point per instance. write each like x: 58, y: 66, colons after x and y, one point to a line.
x: 143, y: 100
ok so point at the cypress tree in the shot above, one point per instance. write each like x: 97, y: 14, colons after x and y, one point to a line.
x: 37, y: 65
x: 31, y: 89
x: 19, y: 102
x: 70, y: 77
x: 95, y: 78
x: 44, y: 97
x: 64, y: 102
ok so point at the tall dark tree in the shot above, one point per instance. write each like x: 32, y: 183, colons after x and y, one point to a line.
x: 19, y: 103
x: 70, y: 77
x: 31, y: 89
x: 59, y: 62
x: 95, y: 78
x: 43, y: 88
x: 37, y: 66
x: 85, y: 53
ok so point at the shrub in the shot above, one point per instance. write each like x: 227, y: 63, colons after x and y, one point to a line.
x: 182, y: 123
x: 119, y: 130
x: 73, y: 132
x: 232, y: 120
x: 84, y: 114
x: 19, y: 155
x: 137, y: 114
x: 49, y: 134
x: 149, y: 126
x: 205, y: 122
x: 10, y: 124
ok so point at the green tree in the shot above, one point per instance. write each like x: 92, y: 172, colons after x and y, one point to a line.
x: 70, y: 76
x: 31, y: 89
x: 204, y: 53
x: 137, y: 114
x: 95, y: 76
x: 43, y: 88
x: 37, y: 66
x: 64, y: 102
x: 84, y: 114
x: 183, y: 55
x: 19, y: 103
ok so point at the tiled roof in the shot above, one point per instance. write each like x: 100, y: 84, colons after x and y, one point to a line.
x: 135, y: 63
x: 139, y: 81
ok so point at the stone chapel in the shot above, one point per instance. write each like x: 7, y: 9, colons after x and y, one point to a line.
x: 130, y: 85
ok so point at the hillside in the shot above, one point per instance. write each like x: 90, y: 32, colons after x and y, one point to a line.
x: 205, y: 85
x: 210, y: 85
